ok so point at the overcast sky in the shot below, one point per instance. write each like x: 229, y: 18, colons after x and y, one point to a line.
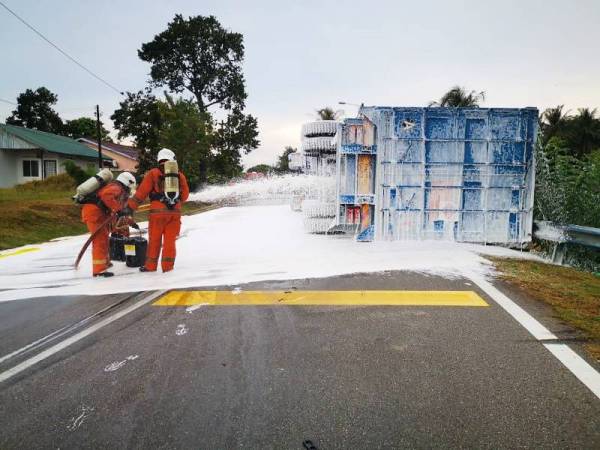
x: 301, y: 55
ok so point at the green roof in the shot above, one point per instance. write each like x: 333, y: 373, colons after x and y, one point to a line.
x: 52, y: 142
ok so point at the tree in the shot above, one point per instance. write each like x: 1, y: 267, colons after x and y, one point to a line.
x: 200, y: 56
x: 583, y: 132
x: 173, y: 123
x: 197, y: 54
x: 283, y: 162
x: 567, y: 188
x: 580, y: 133
x: 139, y: 116
x: 328, y: 113
x: 34, y: 110
x: 458, y: 97
x: 85, y: 127
x: 552, y: 120
x: 186, y: 131
x: 238, y: 132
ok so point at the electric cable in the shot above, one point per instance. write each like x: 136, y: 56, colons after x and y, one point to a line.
x: 60, y: 49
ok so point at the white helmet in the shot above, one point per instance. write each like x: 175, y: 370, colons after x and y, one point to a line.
x: 165, y: 154
x: 127, y: 179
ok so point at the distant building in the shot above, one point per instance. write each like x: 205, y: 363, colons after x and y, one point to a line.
x: 125, y: 157
x: 28, y: 155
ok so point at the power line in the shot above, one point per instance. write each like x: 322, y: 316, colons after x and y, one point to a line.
x: 61, y: 50
x: 9, y: 102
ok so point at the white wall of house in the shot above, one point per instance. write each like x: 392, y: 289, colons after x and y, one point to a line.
x: 8, y: 169
x: 19, y: 166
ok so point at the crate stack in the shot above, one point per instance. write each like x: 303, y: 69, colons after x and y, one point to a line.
x: 319, y: 145
x: 357, y: 157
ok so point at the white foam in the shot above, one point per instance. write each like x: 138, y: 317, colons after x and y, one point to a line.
x: 275, y: 188
x: 231, y: 246
x: 550, y: 232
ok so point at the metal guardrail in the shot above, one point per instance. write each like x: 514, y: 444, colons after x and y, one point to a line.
x: 563, y: 235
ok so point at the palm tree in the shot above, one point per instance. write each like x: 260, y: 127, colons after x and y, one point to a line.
x: 552, y: 122
x: 583, y: 132
x: 328, y: 113
x: 458, y: 97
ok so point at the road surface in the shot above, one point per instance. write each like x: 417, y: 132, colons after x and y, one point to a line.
x: 274, y: 376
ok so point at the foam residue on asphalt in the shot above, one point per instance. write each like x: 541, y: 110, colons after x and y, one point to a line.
x: 235, y: 245
x: 78, y: 420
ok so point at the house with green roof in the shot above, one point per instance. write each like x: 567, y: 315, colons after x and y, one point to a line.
x: 27, y: 155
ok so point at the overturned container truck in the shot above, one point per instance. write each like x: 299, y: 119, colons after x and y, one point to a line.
x: 463, y: 174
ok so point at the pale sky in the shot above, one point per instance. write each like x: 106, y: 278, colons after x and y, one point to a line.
x: 302, y: 55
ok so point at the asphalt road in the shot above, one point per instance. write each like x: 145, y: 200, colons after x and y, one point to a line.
x: 223, y: 377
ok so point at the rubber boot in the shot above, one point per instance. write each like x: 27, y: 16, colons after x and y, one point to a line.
x: 104, y: 274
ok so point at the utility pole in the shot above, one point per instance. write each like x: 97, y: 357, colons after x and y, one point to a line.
x: 99, y: 136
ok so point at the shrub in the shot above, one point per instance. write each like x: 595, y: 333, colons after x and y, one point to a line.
x: 568, y: 192
x: 77, y: 173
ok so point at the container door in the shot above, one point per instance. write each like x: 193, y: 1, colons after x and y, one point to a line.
x: 364, y: 174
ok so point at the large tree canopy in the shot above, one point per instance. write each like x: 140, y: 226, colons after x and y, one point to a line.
x: 139, y: 117
x: 186, y: 131
x: 34, y: 110
x: 197, y: 54
x: 205, y: 150
x: 238, y: 132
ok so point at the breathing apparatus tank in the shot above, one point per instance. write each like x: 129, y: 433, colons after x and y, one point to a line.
x: 171, y: 182
x: 92, y: 184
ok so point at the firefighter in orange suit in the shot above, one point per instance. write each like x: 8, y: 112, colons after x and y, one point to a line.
x: 165, y: 214
x: 108, y: 200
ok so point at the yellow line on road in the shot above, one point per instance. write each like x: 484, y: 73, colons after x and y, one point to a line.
x: 19, y: 252
x: 322, y: 298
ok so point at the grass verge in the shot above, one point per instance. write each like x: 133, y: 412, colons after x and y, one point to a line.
x: 42, y: 210
x: 574, y: 295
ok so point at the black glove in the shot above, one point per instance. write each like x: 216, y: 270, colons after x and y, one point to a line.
x: 135, y: 225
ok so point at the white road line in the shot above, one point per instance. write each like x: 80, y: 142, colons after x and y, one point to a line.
x: 34, y: 343
x: 76, y: 337
x: 539, y: 331
x: 571, y: 360
x: 62, y: 331
x: 576, y: 364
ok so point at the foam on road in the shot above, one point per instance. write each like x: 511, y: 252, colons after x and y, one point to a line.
x: 239, y: 245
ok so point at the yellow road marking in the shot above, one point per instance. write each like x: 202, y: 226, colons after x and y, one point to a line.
x: 19, y: 252
x: 322, y: 298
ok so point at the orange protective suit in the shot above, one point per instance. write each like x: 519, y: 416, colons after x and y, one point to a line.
x: 113, y: 198
x: 164, y: 223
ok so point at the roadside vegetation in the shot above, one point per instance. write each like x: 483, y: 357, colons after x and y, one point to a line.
x: 568, y: 175
x: 573, y: 294
x: 200, y: 115
x: 38, y: 211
